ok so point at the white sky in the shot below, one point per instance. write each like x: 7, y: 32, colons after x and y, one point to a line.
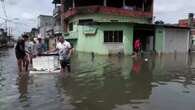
x: 26, y: 12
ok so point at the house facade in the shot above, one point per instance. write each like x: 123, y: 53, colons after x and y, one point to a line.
x: 45, y: 23
x: 189, y: 22
x: 111, y: 27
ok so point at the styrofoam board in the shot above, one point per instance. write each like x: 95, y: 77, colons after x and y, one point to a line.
x: 44, y: 72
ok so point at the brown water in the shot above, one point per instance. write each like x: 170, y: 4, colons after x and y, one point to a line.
x: 104, y: 83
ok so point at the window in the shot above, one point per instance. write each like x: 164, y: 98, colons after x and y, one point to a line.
x: 70, y: 27
x: 85, y: 21
x: 80, y: 3
x: 115, y: 3
x: 113, y: 36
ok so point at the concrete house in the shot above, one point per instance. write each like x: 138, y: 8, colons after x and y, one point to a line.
x: 45, y: 24
x: 190, y: 22
x: 109, y: 27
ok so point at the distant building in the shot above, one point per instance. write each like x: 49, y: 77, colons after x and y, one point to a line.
x: 57, y: 18
x: 112, y: 26
x: 34, y: 32
x: 45, y: 23
x: 189, y: 22
x: 185, y: 23
x: 3, y: 38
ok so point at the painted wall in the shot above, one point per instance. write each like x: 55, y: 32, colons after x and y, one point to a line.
x: 45, y: 23
x: 159, y: 39
x: 95, y: 43
x: 176, y: 40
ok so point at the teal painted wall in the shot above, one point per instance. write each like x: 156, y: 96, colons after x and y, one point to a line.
x: 128, y: 39
x: 159, y: 39
x: 90, y: 43
x: 95, y: 43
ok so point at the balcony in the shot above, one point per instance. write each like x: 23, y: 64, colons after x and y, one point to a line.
x: 56, y: 11
x: 107, y: 10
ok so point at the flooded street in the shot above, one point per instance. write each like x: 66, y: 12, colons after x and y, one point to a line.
x: 102, y: 83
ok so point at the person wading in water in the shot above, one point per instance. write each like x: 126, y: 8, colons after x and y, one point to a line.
x: 22, y: 54
x: 64, y: 50
x: 137, y: 46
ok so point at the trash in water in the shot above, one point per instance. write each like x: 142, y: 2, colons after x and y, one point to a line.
x: 146, y: 59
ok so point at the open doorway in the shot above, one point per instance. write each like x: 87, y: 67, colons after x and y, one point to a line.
x: 146, y: 37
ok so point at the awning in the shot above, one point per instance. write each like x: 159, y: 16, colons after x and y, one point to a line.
x: 90, y: 30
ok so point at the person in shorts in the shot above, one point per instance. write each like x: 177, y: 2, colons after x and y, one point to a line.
x: 22, y: 53
x: 64, y: 50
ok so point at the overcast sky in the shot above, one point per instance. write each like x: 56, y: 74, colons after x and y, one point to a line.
x: 25, y: 12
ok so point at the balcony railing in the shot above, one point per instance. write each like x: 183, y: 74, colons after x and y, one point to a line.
x: 71, y: 35
x: 107, y: 10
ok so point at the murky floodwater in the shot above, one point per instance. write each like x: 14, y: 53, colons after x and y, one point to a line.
x: 103, y: 83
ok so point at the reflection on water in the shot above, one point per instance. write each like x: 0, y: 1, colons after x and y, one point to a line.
x: 102, y: 83
x: 22, y: 83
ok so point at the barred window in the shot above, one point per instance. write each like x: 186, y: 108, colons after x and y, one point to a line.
x: 113, y: 36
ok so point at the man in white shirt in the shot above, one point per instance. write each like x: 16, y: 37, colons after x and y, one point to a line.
x: 64, y: 50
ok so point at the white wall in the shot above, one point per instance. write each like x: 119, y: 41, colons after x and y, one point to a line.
x: 45, y: 23
x: 176, y: 40
x: 43, y: 30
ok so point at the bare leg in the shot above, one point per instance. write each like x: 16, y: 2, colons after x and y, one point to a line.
x: 31, y: 57
x: 19, y: 61
x: 68, y: 68
x: 27, y: 63
x: 26, y: 60
x: 62, y: 70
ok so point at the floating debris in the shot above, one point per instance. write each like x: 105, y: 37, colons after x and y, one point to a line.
x: 78, y: 101
x: 100, y: 101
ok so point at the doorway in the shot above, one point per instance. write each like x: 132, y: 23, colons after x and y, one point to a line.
x: 146, y: 36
